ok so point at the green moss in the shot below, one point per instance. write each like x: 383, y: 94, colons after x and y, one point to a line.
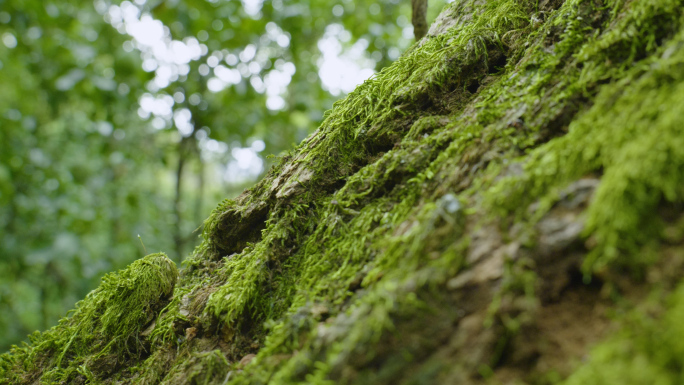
x: 630, y: 135
x: 352, y: 261
x: 102, y: 332
x: 390, y: 191
x: 354, y: 130
x: 646, y: 350
x: 200, y: 368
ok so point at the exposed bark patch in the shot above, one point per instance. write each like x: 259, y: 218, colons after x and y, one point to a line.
x: 236, y: 228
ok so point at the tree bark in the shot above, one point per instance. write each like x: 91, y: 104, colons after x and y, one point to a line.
x: 501, y: 199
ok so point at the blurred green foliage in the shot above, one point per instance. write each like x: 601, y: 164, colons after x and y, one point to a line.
x: 107, y: 133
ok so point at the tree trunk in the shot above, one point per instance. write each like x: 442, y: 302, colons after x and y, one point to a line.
x: 503, y: 198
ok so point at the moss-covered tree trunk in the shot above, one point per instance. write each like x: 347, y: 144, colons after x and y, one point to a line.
x: 501, y: 205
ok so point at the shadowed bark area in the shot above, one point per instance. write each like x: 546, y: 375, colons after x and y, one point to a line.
x: 503, y: 204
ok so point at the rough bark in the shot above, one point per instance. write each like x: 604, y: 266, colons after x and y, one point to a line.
x: 501, y: 205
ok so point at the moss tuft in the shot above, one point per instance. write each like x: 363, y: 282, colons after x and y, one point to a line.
x: 103, y: 332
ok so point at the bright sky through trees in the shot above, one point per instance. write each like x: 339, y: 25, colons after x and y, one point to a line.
x: 340, y: 70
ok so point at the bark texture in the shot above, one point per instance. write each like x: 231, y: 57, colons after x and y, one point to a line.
x: 501, y: 205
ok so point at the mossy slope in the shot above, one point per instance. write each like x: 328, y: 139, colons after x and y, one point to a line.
x: 103, y: 333
x: 519, y: 165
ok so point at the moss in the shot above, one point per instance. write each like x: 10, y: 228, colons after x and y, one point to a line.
x: 646, y: 350
x: 630, y: 135
x: 407, y: 233
x: 104, y: 331
x: 201, y: 368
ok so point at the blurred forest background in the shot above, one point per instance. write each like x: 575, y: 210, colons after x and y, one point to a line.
x: 120, y: 119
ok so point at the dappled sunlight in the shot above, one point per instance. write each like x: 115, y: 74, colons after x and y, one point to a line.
x: 341, y: 70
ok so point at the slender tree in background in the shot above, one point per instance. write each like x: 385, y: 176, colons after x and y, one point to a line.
x: 419, y: 18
